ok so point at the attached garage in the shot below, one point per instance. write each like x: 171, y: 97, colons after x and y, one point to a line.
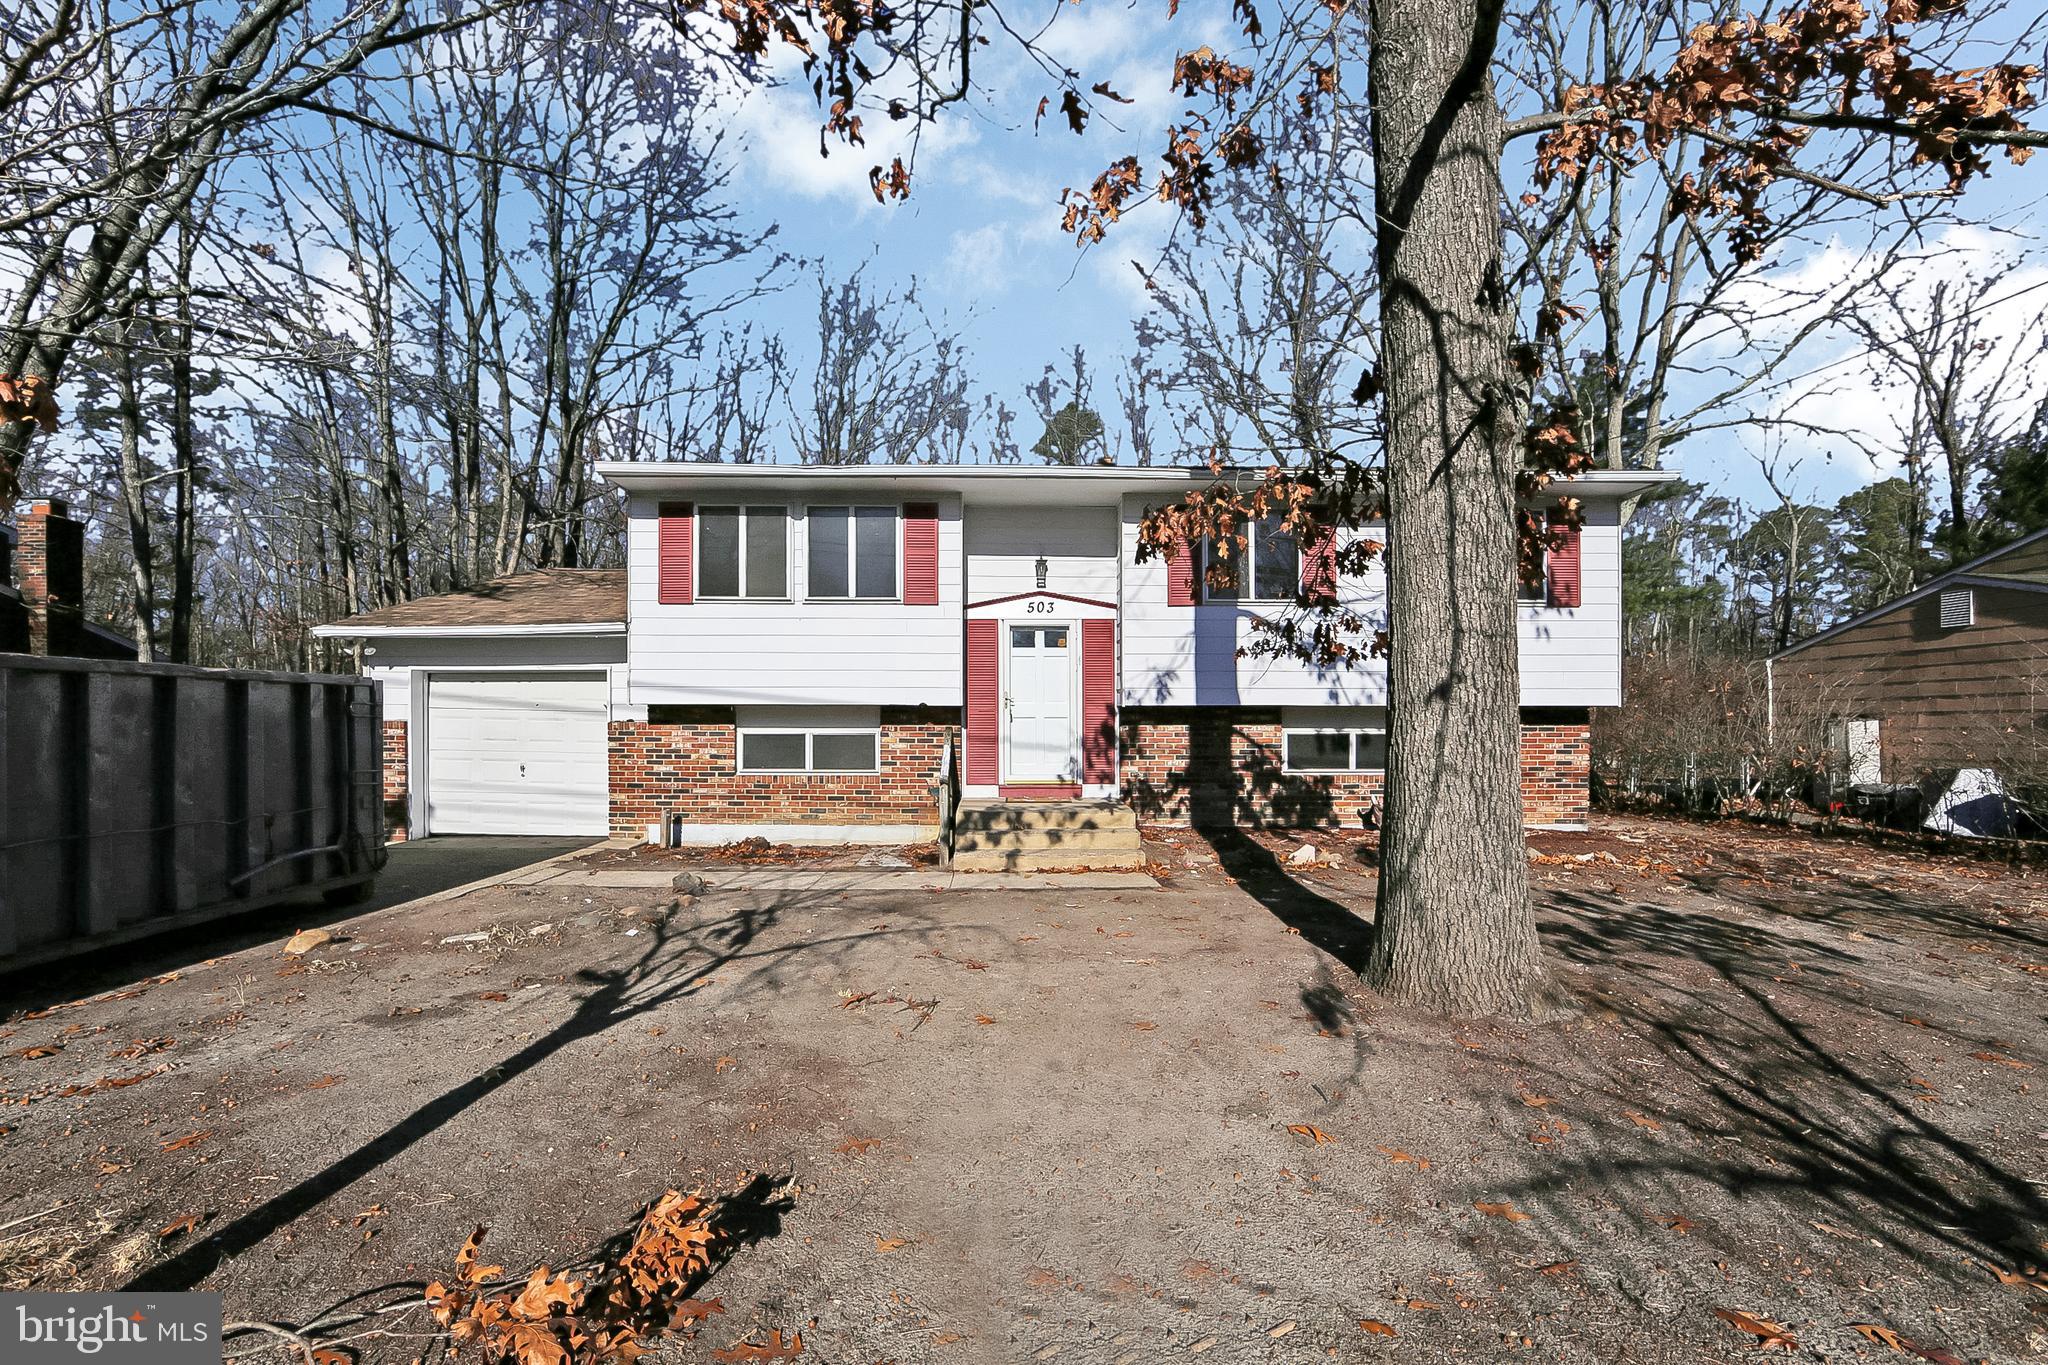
x: 516, y: 753
x: 497, y: 703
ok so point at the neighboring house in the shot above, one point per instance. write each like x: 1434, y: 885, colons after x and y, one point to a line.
x: 792, y: 650
x: 1953, y: 674
x: 42, y: 589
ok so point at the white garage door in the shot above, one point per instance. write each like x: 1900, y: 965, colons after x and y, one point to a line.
x: 516, y: 753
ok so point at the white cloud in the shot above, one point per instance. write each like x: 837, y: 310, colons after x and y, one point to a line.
x: 1854, y: 409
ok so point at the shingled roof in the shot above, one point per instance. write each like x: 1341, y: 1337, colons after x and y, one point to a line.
x: 545, y: 597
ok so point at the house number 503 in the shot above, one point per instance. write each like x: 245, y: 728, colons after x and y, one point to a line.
x: 1039, y: 607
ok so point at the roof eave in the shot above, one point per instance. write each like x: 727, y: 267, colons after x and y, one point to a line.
x: 342, y: 630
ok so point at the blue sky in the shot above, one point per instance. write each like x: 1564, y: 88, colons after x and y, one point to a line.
x: 981, y: 234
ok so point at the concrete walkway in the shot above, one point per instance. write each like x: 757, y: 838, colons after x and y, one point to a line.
x: 568, y: 877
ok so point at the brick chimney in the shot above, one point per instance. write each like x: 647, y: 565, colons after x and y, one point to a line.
x: 50, y: 567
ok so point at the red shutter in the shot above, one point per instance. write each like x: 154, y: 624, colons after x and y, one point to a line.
x: 1319, y: 564
x: 921, y: 554
x: 984, y: 693
x: 1098, y: 706
x: 1563, y: 563
x: 1180, y: 575
x: 678, y: 521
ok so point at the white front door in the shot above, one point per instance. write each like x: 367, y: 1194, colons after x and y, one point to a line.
x: 516, y: 753
x: 1041, y: 705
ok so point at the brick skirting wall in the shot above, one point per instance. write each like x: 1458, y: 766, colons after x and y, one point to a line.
x: 685, y: 760
x: 397, y: 816
x: 1223, y: 765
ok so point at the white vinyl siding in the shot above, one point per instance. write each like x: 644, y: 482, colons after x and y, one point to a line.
x: 1189, y: 656
x: 1078, y: 545
x: 746, y: 652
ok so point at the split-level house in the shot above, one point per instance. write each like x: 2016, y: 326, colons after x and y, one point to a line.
x: 804, y: 653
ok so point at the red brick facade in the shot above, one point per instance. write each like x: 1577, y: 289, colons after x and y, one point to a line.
x: 1224, y: 765
x: 397, y: 817
x: 1557, y: 769
x: 685, y: 760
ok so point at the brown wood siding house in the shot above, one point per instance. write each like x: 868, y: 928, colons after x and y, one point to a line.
x: 1954, y: 673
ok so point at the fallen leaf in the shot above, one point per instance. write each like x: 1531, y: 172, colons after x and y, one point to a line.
x: 983, y: 1019
x: 696, y: 1310
x: 323, y: 1083
x: 1678, y: 1223
x: 1644, y: 1121
x: 1501, y: 1210
x: 1397, y: 1156
x: 492, y: 995
x: 1311, y: 1132
x: 306, y: 940
x: 724, y: 1064
x: 857, y: 1146
x: 1768, y: 1333
x: 31, y: 1053
x: 1557, y: 1267
x: 1422, y: 1306
x: 328, y: 1355
x: 775, y: 1349
x: 189, y: 1223
x: 1143, y: 1025
x: 188, y: 1140
x: 885, y: 1245
x: 2001, y: 1059
x: 1374, y: 1327
x: 1535, y: 1101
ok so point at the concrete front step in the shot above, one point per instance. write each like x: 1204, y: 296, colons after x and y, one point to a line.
x: 996, y: 816
x: 1035, y: 840
x: 1049, y: 860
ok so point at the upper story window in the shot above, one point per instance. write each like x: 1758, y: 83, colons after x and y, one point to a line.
x: 1274, y: 559
x: 1958, y: 608
x: 852, y: 551
x: 1534, y: 590
x: 743, y: 551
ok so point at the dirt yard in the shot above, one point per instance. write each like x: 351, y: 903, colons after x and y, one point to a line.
x: 1798, y: 1111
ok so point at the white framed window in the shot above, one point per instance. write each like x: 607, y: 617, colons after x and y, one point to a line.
x: 1535, y: 589
x: 776, y: 739
x: 1958, y: 608
x: 1333, y: 739
x: 743, y: 551
x: 1270, y: 557
x: 1350, y: 750
x: 852, y: 552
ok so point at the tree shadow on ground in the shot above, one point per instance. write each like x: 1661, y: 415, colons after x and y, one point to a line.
x: 675, y: 964
x: 1332, y: 927
x: 1778, y: 1077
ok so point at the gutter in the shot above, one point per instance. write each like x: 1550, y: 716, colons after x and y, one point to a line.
x: 342, y: 630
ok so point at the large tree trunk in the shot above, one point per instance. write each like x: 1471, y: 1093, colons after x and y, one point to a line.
x: 1456, y: 929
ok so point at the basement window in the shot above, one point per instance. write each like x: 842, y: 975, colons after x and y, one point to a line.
x: 1336, y: 751
x: 776, y: 740
x: 1958, y: 608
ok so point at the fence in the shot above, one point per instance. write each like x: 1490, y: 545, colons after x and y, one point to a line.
x: 141, y: 797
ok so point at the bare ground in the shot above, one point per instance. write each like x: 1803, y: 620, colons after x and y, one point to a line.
x: 1096, y: 1127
